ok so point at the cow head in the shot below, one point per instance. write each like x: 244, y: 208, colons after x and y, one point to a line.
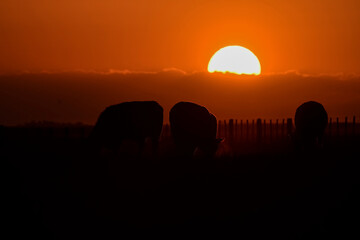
x: 310, y: 121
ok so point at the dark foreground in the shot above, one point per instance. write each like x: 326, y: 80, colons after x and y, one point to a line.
x: 60, y: 189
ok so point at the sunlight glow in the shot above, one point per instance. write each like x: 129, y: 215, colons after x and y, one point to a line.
x: 234, y: 59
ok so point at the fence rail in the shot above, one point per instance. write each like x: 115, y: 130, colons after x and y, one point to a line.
x: 232, y: 130
x: 267, y: 130
x: 33, y: 133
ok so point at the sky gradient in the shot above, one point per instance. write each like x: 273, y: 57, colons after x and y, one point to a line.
x: 310, y: 36
x: 65, y: 61
x: 80, y: 97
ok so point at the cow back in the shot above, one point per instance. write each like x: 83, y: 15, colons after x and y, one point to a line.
x: 128, y: 120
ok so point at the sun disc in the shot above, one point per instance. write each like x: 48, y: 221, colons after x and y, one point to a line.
x: 234, y: 59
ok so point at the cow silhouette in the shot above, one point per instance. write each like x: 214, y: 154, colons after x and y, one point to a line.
x: 193, y: 129
x: 137, y: 121
x: 311, y: 120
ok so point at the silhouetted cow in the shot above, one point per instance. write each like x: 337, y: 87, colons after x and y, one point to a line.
x: 134, y: 121
x: 193, y: 128
x: 310, y: 121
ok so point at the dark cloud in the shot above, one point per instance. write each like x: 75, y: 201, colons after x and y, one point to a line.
x: 81, y: 96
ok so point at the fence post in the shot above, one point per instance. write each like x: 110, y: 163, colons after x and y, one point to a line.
x: 346, y: 125
x: 241, y: 129
x: 264, y: 131
x: 236, y: 129
x: 283, y: 128
x: 231, y: 130
x: 253, y: 129
x: 277, y: 128
x: 337, y: 127
x: 247, y: 129
x: 289, y: 126
x: 270, y: 129
x: 258, y: 130
x: 354, y: 126
x: 225, y: 129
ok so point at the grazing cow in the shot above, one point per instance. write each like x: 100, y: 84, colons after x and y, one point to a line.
x: 310, y: 121
x: 133, y: 121
x: 193, y: 127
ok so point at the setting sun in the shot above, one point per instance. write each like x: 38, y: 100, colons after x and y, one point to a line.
x: 234, y: 59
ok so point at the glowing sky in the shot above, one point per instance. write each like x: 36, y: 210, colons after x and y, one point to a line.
x: 81, y: 97
x: 312, y: 36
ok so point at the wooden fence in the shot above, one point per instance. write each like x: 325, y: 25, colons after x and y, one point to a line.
x: 35, y: 133
x: 263, y: 130
x: 232, y: 130
x: 268, y: 130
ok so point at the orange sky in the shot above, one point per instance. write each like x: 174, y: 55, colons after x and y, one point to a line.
x: 311, y: 36
x: 81, y: 97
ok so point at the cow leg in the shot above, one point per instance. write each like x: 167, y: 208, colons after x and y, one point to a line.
x: 155, y: 147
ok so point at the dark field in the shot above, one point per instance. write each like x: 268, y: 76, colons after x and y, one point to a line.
x: 56, y: 187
